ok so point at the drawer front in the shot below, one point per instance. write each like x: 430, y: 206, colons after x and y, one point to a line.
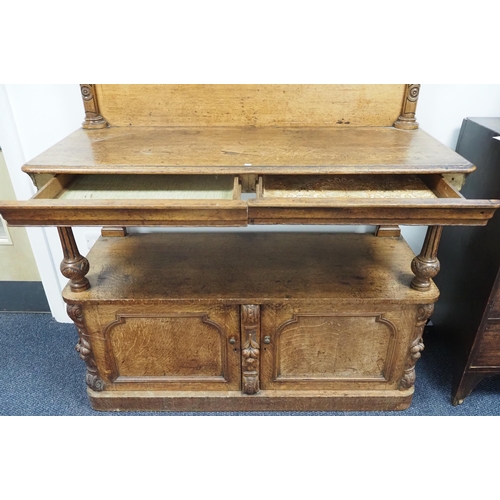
x: 166, y: 347
x: 132, y: 200
x: 204, y: 200
x: 494, y: 311
x: 487, y: 347
x: 365, y: 199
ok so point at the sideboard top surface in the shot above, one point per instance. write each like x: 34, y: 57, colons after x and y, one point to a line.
x: 248, y: 150
x: 251, y: 267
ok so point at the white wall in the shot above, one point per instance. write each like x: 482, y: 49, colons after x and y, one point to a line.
x: 34, y: 117
x: 441, y: 108
x: 440, y: 112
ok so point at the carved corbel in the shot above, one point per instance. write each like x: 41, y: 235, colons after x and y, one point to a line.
x: 407, y: 120
x: 93, y: 118
x: 424, y: 312
x: 84, y: 349
x: 250, y: 353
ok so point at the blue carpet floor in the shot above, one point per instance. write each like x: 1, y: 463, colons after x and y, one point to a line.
x: 41, y: 374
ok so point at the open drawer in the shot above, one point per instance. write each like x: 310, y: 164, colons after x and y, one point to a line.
x: 132, y: 200
x: 365, y: 199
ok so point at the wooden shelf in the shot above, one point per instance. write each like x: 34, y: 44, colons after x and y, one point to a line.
x: 250, y: 268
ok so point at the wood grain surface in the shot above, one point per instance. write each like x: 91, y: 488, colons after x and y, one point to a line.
x: 345, y: 186
x: 256, y: 105
x: 360, y: 345
x: 135, y: 212
x: 198, y: 200
x: 250, y: 321
x: 163, y: 315
x: 269, y: 400
x: 374, y: 211
x: 321, y: 347
x: 176, y: 346
x: 248, y: 150
x: 487, y: 353
x: 250, y: 268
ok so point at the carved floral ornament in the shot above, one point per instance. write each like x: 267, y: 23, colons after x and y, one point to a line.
x: 424, y: 312
x: 407, y: 120
x: 413, y: 92
x: 93, y: 118
x: 87, y: 93
x: 84, y: 348
x: 250, y: 350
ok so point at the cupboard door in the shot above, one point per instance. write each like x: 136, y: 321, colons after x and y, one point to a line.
x: 166, y: 347
x: 320, y: 348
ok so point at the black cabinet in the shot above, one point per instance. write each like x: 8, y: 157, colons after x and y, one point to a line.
x: 469, y: 306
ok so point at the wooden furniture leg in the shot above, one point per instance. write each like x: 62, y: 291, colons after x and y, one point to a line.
x: 114, y: 231
x: 73, y: 266
x: 467, y: 383
x: 388, y: 231
x: 426, y: 265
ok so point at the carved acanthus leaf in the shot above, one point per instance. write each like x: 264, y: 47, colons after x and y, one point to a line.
x: 424, y: 312
x: 84, y: 348
x: 250, y: 352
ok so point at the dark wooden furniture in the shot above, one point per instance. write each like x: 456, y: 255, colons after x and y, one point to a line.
x: 211, y: 321
x: 469, y: 308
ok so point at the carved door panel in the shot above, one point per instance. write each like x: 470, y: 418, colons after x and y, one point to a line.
x: 166, y: 347
x: 322, y: 348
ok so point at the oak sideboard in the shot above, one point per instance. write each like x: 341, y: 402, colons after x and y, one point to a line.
x: 223, y: 320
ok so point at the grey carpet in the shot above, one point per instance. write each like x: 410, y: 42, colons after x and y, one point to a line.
x: 41, y: 374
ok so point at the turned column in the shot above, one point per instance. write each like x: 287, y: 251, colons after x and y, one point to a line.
x: 73, y: 266
x: 407, y: 120
x: 426, y: 265
x: 93, y: 118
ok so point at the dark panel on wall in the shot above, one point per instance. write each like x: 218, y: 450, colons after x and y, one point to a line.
x: 23, y: 296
